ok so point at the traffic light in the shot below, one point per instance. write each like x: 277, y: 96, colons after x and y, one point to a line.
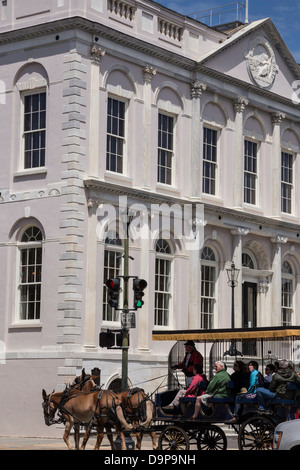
x: 111, y: 339
x: 113, y: 290
x: 138, y: 286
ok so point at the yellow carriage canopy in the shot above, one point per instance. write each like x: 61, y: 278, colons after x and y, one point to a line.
x: 237, y: 334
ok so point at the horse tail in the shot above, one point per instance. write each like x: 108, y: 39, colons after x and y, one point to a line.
x: 122, y: 419
x: 149, y: 414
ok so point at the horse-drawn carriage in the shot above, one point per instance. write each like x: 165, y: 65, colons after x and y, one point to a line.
x: 176, y: 430
x: 254, y: 429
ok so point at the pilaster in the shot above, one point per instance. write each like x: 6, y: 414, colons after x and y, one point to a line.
x: 277, y: 119
x: 239, y: 106
x: 276, y: 279
x: 148, y: 72
x: 197, y: 89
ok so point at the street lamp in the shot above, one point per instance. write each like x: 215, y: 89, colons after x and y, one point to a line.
x: 232, y: 274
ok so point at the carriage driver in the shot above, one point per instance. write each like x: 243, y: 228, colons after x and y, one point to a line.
x: 192, y: 357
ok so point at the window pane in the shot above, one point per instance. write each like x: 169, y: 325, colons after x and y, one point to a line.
x: 34, y: 136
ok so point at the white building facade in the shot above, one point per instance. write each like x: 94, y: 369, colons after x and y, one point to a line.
x: 109, y: 105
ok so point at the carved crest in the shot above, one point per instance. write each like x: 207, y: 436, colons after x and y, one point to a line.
x: 261, y: 62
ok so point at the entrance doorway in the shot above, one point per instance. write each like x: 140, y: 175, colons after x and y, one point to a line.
x: 249, y: 314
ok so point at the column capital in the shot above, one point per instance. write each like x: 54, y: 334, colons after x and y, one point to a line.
x: 240, y: 103
x: 277, y: 117
x: 240, y: 231
x: 97, y: 53
x: 279, y: 239
x: 149, y: 73
x: 197, y: 89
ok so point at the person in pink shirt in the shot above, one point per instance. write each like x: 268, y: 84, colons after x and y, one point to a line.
x: 191, y: 391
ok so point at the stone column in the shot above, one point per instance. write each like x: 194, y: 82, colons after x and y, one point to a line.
x: 276, y: 280
x: 149, y: 73
x: 144, y: 273
x: 238, y: 233
x: 197, y: 89
x: 96, y: 55
x: 91, y: 277
x: 239, y: 105
x: 277, y: 119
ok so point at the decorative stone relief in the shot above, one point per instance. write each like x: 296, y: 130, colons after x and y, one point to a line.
x: 197, y: 89
x: 261, y: 62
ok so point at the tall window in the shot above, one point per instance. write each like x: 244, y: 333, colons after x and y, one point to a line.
x: 112, y: 268
x: 34, y: 130
x: 115, y: 147
x: 163, y: 278
x: 287, y: 290
x: 210, y: 138
x: 287, y: 162
x: 30, y: 281
x: 250, y: 171
x: 208, y: 287
x: 165, y: 148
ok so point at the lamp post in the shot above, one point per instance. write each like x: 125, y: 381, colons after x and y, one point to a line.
x: 232, y: 274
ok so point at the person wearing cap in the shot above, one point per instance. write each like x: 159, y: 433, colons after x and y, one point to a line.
x: 278, y: 386
x: 192, y: 357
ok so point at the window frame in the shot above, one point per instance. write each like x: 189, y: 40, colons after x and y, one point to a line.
x: 290, y: 279
x: 206, y: 162
x: 161, y: 295
x: 107, y: 310
x: 291, y: 185
x: 23, y: 167
x: 170, y: 151
x: 26, y: 247
x: 253, y: 174
x: 123, y: 139
x: 212, y: 300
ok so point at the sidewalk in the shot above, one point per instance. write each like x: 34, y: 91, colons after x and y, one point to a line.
x: 38, y: 443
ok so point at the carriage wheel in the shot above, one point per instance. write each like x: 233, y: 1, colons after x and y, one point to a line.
x: 211, y: 437
x: 173, y: 438
x: 256, y: 433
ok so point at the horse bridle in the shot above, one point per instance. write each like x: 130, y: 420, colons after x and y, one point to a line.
x: 47, y: 408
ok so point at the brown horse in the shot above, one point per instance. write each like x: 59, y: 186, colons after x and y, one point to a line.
x: 88, y: 408
x: 138, y: 406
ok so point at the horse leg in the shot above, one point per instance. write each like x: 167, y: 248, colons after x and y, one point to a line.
x: 100, y: 435
x: 110, y: 438
x: 76, y: 436
x: 139, y: 436
x: 85, y: 438
x: 153, y: 437
x: 66, y: 437
x: 122, y: 438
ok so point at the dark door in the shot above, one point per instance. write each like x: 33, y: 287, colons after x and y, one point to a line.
x: 249, y: 314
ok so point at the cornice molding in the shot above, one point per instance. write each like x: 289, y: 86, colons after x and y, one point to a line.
x: 241, y: 218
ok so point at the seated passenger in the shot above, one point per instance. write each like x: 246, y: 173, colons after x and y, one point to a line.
x: 278, y: 386
x: 270, y: 371
x: 255, y: 382
x: 239, y: 377
x: 216, y: 387
x: 191, y: 391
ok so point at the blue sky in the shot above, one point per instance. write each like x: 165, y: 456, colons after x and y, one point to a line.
x: 285, y: 14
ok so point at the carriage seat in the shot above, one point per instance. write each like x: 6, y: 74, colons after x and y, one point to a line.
x: 200, y: 386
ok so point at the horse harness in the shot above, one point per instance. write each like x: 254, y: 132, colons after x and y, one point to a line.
x: 66, y: 397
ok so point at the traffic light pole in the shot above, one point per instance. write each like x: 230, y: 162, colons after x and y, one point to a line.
x: 125, y: 331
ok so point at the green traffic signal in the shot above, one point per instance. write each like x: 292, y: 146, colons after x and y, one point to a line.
x: 138, y: 286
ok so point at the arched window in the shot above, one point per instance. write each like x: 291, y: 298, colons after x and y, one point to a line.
x: 287, y: 294
x: 112, y: 268
x: 208, y: 287
x: 163, y: 283
x: 247, y: 261
x: 30, y: 281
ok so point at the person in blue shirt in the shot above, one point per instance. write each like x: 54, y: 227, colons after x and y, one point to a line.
x: 255, y: 381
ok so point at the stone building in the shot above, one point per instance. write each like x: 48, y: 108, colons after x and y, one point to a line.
x: 107, y: 105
